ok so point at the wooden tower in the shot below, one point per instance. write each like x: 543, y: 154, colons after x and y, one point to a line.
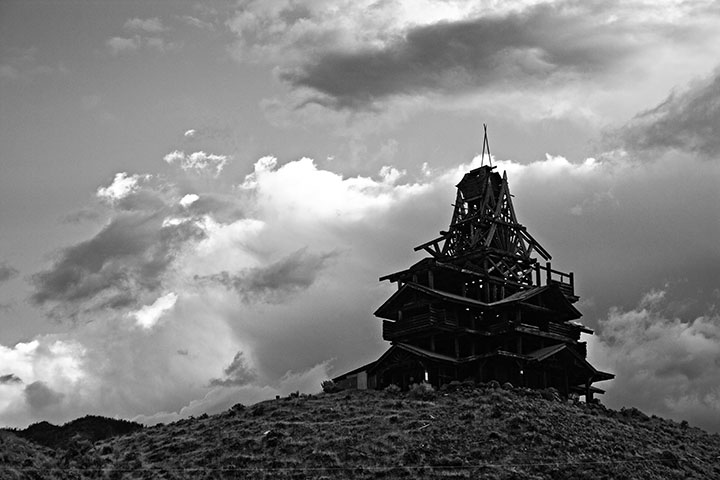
x: 482, y: 306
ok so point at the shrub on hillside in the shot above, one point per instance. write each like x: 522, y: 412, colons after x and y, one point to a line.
x: 422, y: 391
x: 328, y: 386
x: 633, y: 412
x: 392, y: 389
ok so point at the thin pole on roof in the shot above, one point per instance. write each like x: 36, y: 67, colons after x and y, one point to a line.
x: 486, y: 144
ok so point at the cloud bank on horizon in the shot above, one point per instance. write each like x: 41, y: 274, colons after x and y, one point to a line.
x: 173, y: 303
x: 202, y: 288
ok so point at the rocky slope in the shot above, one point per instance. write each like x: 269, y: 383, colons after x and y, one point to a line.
x: 467, y: 431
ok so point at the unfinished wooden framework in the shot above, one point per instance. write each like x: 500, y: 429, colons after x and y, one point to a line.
x: 482, y: 306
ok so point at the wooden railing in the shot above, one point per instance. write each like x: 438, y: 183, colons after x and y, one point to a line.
x: 566, y: 281
x: 436, y: 318
x: 432, y: 318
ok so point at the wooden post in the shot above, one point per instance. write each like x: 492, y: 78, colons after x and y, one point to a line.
x: 538, y: 280
x: 432, y: 343
x: 431, y: 279
x: 588, y: 393
x: 457, y: 347
x: 548, y: 270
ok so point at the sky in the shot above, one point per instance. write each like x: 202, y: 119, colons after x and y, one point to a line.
x: 197, y: 198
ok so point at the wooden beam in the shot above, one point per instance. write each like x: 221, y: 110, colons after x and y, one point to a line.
x: 496, y: 214
x: 548, y: 272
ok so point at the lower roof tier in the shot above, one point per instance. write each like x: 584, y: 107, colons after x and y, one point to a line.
x: 577, y: 370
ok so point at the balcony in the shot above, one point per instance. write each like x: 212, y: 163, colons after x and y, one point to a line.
x: 430, y: 320
x: 565, y: 281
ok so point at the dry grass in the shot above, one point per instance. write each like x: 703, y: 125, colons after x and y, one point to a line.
x: 470, y: 433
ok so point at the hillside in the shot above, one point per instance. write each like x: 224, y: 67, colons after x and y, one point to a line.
x: 466, y: 431
x: 90, y: 427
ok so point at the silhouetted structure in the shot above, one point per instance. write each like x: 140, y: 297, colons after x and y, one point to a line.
x: 481, y: 306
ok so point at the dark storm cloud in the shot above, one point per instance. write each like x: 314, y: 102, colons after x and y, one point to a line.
x: 291, y: 274
x: 535, y: 44
x: 7, y: 272
x: 687, y: 121
x: 10, y: 378
x: 111, y: 270
x: 40, y: 396
x: 237, y: 373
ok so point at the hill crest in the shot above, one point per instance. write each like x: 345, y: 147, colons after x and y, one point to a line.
x: 467, y: 431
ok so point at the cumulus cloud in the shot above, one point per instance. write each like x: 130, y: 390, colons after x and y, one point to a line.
x: 150, y: 25
x: 197, y: 22
x: 124, y: 45
x: 120, y: 45
x: 664, y: 364
x: 7, y: 272
x: 198, y: 162
x: 160, y: 44
x: 122, y: 186
x: 301, y: 190
x: 686, y: 120
x: 146, y: 33
x: 189, y: 199
x: 149, y: 315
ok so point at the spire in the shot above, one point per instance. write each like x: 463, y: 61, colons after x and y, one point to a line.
x: 484, y: 224
x: 486, y: 144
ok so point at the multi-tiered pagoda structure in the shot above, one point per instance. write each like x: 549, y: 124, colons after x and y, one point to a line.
x: 485, y: 305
